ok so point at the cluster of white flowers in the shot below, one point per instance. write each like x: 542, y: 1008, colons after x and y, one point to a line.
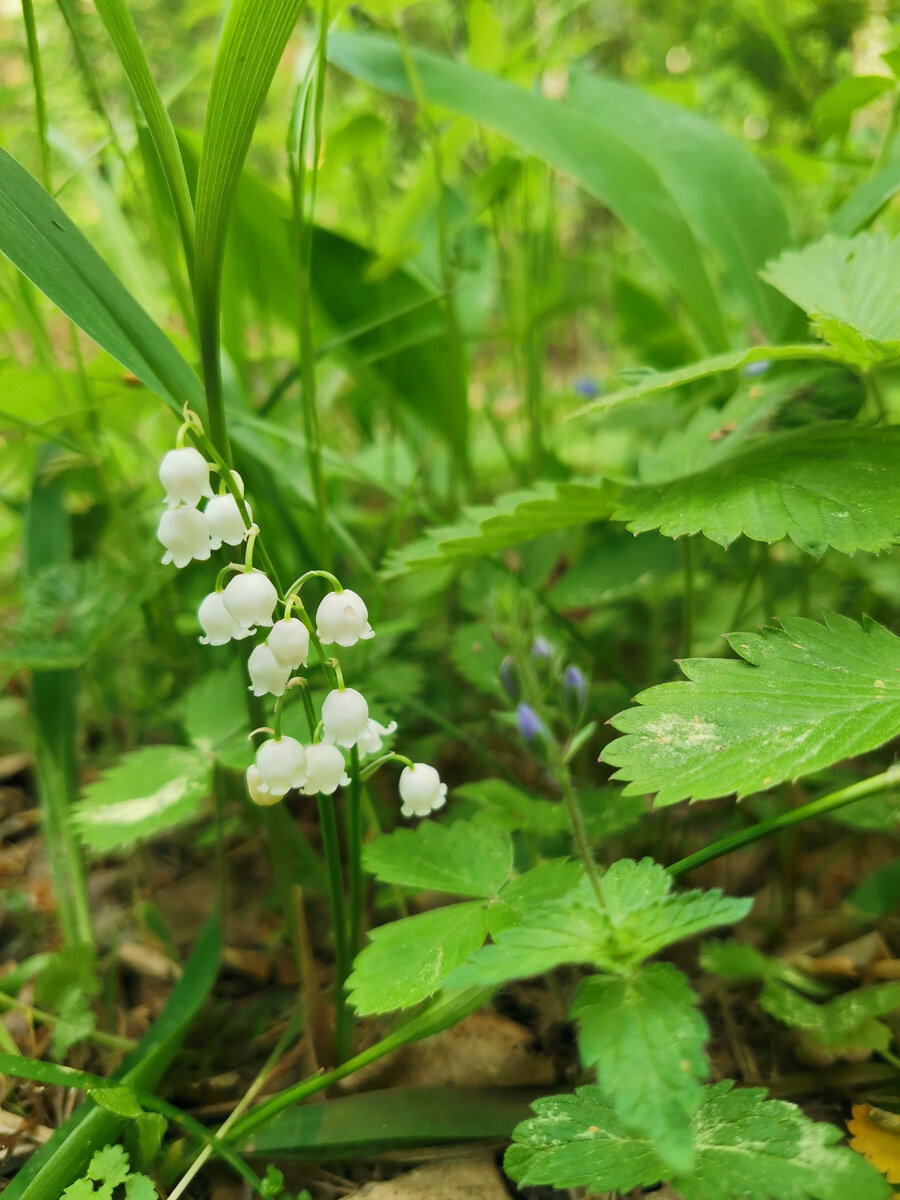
x: 248, y: 603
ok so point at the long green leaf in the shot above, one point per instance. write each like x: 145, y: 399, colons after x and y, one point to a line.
x: 600, y: 160
x: 725, y: 195
x: 47, y: 247
x: 64, y: 1157
x: 253, y: 41
x: 117, y: 19
x: 866, y: 202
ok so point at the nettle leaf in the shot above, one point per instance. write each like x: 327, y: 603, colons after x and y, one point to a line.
x: 645, y: 1036
x: 805, y: 697
x: 464, y: 858
x: 849, y: 288
x: 407, y: 961
x: 844, y: 1025
x: 639, y: 917
x: 518, y: 517
x: 148, y: 792
x: 745, y: 1146
x: 827, y: 485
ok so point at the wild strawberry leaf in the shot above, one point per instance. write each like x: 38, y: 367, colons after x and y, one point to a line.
x: 804, y: 697
x: 407, y: 961
x: 827, y: 485
x: 640, y: 916
x: 464, y: 858
x: 849, y: 288
x: 744, y: 1145
x: 645, y: 1037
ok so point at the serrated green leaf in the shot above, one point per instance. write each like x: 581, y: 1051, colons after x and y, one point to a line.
x: 736, y: 960
x: 464, y: 858
x: 407, y: 961
x: 639, y: 917
x: 110, y: 1165
x: 518, y: 517
x: 645, y: 1037
x: 139, y: 1187
x: 542, y: 884
x: 848, y: 286
x: 746, y: 1146
x: 148, y: 792
x: 831, y: 485
x: 846, y: 1024
x: 805, y: 697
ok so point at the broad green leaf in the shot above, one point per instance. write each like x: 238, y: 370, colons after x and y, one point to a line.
x: 613, y: 567
x: 725, y: 195
x: 148, y: 792
x: 39, y: 239
x: 508, y: 807
x: 640, y: 916
x: 830, y: 485
x: 804, y: 697
x: 648, y: 382
x: 845, y: 1025
x: 867, y: 201
x: 215, y: 713
x: 848, y: 287
x: 407, y: 961
x: 834, y: 109
x: 645, y: 1037
x: 546, y: 882
x: 465, y: 858
x: 517, y: 517
x: 746, y: 1146
x: 600, y: 159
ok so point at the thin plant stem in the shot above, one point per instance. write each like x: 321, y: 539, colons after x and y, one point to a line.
x: 354, y: 854
x: 578, y: 831
x: 328, y: 823
x: 40, y: 99
x: 687, y: 564
x: 805, y: 812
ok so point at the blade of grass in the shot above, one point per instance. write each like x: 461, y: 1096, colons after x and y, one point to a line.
x: 253, y: 40
x: 37, y: 78
x: 116, y: 17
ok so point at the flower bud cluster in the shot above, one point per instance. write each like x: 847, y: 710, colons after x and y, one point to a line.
x: 248, y: 604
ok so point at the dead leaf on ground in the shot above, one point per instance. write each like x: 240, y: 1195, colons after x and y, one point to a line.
x: 458, y: 1179
x: 876, y: 1139
x: 484, y: 1050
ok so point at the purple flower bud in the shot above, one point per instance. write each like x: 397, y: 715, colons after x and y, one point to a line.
x: 757, y: 368
x: 541, y: 648
x: 574, y: 684
x: 508, y: 677
x: 530, y: 724
x: 587, y: 387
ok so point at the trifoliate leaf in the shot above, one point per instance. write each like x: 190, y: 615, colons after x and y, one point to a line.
x: 844, y: 1025
x: 639, y: 917
x: 463, y: 858
x: 745, y: 1146
x: 849, y: 288
x: 828, y: 485
x: 645, y: 1036
x: 805, y: 697
x: 876, y: 1135
x: 148, y: 792
x: 407, y: 961
x: 517, y: 517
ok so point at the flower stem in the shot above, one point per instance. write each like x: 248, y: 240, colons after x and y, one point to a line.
x: 806, y: 812
x: 354, y: 852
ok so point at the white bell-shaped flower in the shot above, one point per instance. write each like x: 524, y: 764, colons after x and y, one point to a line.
x: 289, y: 642
x: 345, y: 717
x: 250, y: 598
x: 421, y: 790
x: 342, y: 617
x: 371, y: 740
x: 281, y: 763
x: 266, y: 673
x: 225, y: 521
x: 184, y: 473
x: 185, y: 534
x: 257, y: 790
x: 219, y: 626
x: 325, y: 770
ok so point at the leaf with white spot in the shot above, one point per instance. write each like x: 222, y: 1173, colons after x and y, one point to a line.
x: 148, y: 792
x: 800, y: 698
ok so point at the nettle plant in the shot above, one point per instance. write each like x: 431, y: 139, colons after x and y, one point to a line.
x: 747, y: 462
